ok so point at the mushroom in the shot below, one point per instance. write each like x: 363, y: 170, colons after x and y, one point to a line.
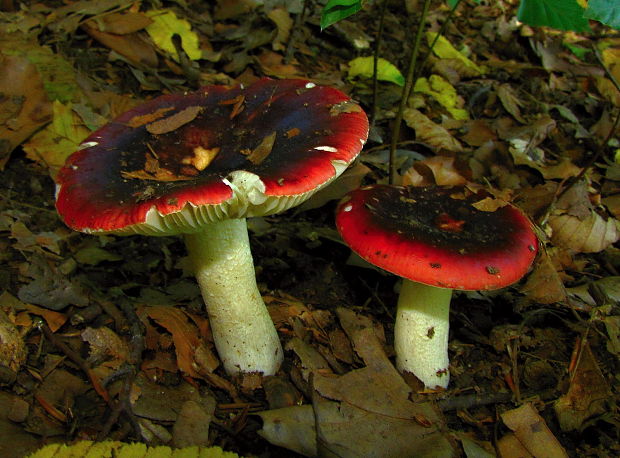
x: 199, y: 164
x: 438, y: 241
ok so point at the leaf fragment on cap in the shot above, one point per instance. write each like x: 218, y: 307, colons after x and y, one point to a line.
x: 260, y: 153
x: 163, y: 126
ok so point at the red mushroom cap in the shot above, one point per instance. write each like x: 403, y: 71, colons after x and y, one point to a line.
x: 178, y: 162
x: 437, y: 237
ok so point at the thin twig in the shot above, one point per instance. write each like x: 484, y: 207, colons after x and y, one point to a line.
x: 288, y: 54
x: 406, y: 90
x: 375, y: 64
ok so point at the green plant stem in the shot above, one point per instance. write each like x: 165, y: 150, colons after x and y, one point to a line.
x: 375, y: 63
x: 409, y: 82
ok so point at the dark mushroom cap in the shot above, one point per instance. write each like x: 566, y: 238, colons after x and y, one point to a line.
x: 435, y: 236
x: 181, y: 161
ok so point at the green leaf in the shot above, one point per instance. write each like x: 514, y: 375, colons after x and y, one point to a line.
x: 605, y: 11
x: 363, y: 66
x: 559, y: 14
x: 578, y: 51
x: 453, y: 3
x: 337, y: 10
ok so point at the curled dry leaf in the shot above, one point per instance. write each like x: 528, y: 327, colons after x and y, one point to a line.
x: 441, y: 169
x: 510, y: 101
x: 532, y: 432
x: 430, y: 133
x: 589, y: 235
x: 282, y: 19
x: 544, y: 284
x: 587, y: 394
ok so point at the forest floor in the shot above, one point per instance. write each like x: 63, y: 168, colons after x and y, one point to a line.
x: 106, y: 337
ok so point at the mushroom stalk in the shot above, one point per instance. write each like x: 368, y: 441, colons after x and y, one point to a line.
x: 421, y: 332
x: 244, y: 334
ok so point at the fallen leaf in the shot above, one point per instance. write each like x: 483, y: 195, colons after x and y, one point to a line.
x: 51, y: 146
x: 290, y: 427
x: 442, y: 91
x: 24, y: 105
x: 589, y: 235
x: 262, y: 151
x: 441, y: 168
x: 141, y: 120
x: 386, y: 71
x: 532, y: 432
x: 587, y: 394
x: 282, y: 19
x: 430, y: 133
x: 193, y: 356
x: 165, y: 25
x: 173, y: 122
x: 106, y: 344
x: 13, y: 351
x: 133, y: 46
x: 444, y: 49
x: 510, y: 101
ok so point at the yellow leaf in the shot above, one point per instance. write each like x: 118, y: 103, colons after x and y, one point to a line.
x: 165, y: 25
x: 364, y: 66
x: 442, y: 91
x: 444, y: 49
x: 52, y: 145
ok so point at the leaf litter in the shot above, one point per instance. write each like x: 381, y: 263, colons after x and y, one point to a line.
x: 500, y: 106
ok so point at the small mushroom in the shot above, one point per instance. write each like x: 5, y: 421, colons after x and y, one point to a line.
x: 438, y: 241
x: 199, y: 164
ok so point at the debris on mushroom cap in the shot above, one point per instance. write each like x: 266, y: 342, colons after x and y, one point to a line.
x: 178, y: 162
x: 428, y: 235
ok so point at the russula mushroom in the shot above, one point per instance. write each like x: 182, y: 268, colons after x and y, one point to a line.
x: 199, y: 164
x: 438, y: 241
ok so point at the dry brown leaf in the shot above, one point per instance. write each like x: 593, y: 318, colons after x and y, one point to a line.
x: 510, y: 101
x: 141, y: 120
x: 478, y: 133
x: 237, y: 103
x: 283, y: 21
x: 272, y: 64
x: 190, y: 349
x: 430, y: 133
x: 173, y: 122
x: 122, y: 23
x: 544, y: 284
x: 590, y: 235
x: 262, y: 151
x: 532, y: 432
x: 132, y: 46
x: 24, y: 106
x: 441, y: 168
x: 587, y: 394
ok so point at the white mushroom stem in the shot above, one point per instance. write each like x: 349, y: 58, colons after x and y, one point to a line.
x: 421, y: 332
x: 244, y: 335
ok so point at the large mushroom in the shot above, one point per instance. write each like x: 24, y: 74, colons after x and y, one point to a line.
x: 199, y: 164
x: 438, y: 241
